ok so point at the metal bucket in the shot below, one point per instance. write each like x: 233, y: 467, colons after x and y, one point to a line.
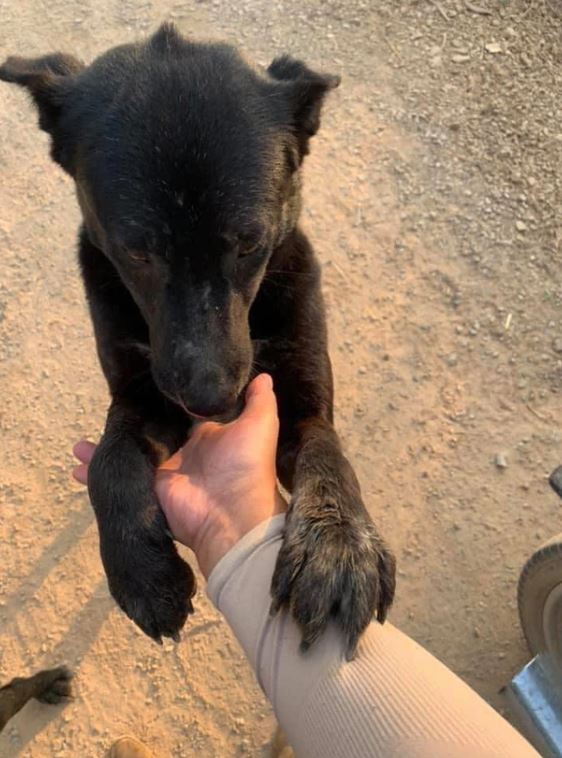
x: 535, y: 697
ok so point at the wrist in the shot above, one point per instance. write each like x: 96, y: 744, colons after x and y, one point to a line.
x: 222, y: 529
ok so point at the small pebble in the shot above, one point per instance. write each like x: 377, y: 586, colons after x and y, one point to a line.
x: 452, y: 359
x: 500, y: 460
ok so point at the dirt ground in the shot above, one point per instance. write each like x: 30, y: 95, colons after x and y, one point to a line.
x: 433, y: 199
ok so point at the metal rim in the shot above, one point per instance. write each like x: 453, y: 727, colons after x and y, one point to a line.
x: 552, y: 624
x: 539, y: 600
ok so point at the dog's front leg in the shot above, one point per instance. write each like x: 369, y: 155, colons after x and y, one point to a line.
x: 146, y: 576
x: 49, y: 686
x: 332, y: 563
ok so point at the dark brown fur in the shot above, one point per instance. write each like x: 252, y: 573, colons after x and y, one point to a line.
x: 187, y: 163
x: 49, y: 686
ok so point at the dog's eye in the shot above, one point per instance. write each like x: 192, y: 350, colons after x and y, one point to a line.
x: 247, y: 249
x: 138, y: 257
x: 251, y: 240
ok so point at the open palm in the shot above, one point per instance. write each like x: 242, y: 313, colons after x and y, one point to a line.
x: 223, y: 481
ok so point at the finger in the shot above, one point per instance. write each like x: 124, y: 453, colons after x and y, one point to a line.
x: 261, y: 383
x: 80, y: 473
x: 173, y: 463
x: 84, y: 450
x: 260, y: 398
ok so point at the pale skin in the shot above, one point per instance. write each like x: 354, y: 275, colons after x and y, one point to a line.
x: 223, y: 482
x: 216, y: 489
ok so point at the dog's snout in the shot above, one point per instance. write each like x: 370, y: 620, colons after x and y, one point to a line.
x: 185, y: 351
x: 209, y: 392
x: 205, y: 383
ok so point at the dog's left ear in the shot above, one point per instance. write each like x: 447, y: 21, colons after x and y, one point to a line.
x: 306, y: 90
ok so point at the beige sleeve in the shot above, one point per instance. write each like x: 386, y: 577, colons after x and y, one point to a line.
x: 393, y: 701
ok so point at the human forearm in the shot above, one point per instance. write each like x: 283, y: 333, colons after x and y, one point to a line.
x: 223, y: 530
x: 394, y: 699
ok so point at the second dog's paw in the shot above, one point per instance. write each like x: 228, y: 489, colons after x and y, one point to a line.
x: 55, y: 685
x: 333, y: 566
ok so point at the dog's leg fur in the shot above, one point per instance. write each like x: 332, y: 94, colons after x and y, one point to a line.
x: 146, y: 576
x: 51, y: 686
x: 332, y: 561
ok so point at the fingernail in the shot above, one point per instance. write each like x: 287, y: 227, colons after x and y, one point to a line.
x: 267, y: 381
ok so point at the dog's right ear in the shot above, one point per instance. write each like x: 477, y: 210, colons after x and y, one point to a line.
x: 48, y: 80
x: 306, y: 90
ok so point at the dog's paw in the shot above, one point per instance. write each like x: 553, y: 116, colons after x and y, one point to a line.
x: 54, y: 685
x: 149, y: 581
x: 332, y: 564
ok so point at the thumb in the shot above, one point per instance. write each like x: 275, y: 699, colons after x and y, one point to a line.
x: 260, y: 398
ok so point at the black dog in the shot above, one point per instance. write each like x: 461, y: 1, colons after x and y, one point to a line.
x: 51, y: 686
x: 187, y: 167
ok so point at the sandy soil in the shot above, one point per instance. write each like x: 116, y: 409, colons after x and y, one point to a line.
x: 432, y: 198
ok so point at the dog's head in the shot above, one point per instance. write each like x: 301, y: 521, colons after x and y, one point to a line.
x: 186, y: 162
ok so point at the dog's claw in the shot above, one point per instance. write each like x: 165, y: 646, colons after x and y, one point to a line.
x: 333, y: 571
x: 351, y: 649
x: 176, y: 638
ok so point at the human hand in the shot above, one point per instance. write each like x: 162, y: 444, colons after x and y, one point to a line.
x: 223, y: 482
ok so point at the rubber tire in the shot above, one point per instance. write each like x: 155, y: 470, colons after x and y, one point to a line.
x: 541, y: 575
